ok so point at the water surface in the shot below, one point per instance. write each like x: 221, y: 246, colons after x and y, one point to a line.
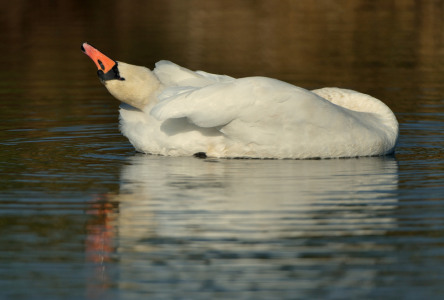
x: 83, y: 216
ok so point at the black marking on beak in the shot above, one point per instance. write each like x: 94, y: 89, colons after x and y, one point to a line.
x: 101, y: 64
x: 112, y: 74
x: 81, y: 48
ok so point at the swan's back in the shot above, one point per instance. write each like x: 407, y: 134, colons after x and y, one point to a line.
x: 264, y: 117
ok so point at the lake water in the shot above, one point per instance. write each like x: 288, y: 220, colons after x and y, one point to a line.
x: 83, y: 216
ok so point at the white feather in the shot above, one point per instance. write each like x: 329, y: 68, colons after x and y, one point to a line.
x: 255, y: 117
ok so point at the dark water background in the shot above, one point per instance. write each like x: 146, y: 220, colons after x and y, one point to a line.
x: 82, y: 216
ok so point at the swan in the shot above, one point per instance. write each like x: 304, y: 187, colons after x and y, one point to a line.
x: 173, y: 111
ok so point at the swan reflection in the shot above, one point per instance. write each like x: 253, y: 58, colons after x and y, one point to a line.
x: 255, y: 198
x: 233, y: 225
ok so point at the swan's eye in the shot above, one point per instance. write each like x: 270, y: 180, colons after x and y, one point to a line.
x: 101, y: 64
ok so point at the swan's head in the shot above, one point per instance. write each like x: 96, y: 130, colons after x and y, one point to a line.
x: 134, y: 85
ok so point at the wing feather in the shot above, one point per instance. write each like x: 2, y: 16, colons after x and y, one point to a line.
x: 210, y: 106
x: 217, y: 104
x: 171, y: 75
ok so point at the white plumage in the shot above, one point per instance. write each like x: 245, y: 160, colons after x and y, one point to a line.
x: 256, y: 117
x: 175, y: 111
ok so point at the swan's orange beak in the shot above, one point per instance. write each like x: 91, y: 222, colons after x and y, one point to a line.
x: 108, y: 69
x: 102, y: 61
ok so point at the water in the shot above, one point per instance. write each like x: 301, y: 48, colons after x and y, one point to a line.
x: 82, y: 216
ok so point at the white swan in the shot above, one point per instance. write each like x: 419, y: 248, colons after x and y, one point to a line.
x: 174, y: 111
